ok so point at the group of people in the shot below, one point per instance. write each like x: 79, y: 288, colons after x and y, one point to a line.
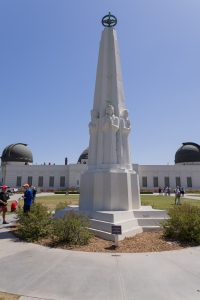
x: 165, y: 191
x: 178, y: 191
x: 29, y: 198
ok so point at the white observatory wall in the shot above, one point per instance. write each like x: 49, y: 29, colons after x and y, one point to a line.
x: 171, y: 171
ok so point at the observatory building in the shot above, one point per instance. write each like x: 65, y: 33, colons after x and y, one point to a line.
x: 17, y: 167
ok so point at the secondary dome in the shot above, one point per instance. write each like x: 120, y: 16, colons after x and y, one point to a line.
x: 83, y: 157
x: 17, y: 152
x: 188, y: 153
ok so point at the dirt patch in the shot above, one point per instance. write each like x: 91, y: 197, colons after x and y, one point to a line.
x: 143, y: 242
x: 7, y: 296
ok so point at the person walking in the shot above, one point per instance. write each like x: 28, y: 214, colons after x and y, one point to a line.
x: 182, y: 190
x: 34, y: 191
x: 4, y: 196
x: 28, y: 198
x: 177, y: 196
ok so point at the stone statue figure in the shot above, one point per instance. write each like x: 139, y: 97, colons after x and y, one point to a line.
x: 125, y: 128
x: 110, y: 126
x: 93, y: 126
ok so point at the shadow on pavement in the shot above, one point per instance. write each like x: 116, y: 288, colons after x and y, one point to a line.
x: 7, y: 235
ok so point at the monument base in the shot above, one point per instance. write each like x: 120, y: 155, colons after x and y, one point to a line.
x: 131, y: 222
x: 109, y: 189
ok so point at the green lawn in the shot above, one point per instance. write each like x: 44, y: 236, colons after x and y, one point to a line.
x: 52, y: 201
x: 159, y: 202
x: 164, y: 202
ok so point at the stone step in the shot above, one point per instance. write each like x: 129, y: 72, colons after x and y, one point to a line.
x: 151, y: 228
x: 107, y: 226
x: 111, y: 237
x: 149, y: 221
x: 116, y: 216
x: 113, y: 216
x: 100, y: 225
x: 143, y: 222
x: 154, y: 213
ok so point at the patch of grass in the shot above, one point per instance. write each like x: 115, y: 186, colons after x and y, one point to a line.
x: 157, y: 202
x: 165, y: 202
x: 52, y: 201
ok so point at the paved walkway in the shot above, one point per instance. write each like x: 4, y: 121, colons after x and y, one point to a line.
x: 33, y: 271
x: 37, y: 272
x: 186, y: 196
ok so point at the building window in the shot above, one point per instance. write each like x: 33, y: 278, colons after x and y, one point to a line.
x: 51, y: 181
x: 19, y: 181
x: 77, y: 182
x: 30, y: 180
x: 144, y: 181
x: 167, y: 183
x: 155, y: 181
x: 62, y: 181
x: 178, y: 181
x: 40, y: 181
x: 189, y: 182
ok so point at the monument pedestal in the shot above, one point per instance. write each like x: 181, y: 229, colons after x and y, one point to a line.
x: 109, y: 189
x: 131, y: 222
x: 110, y: 196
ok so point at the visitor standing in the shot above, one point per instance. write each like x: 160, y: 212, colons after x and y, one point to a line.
x: 34, y: 192
x: 177, y: 196
x: 182, y: 191
x: 28, y: 198
x: 4, y: 196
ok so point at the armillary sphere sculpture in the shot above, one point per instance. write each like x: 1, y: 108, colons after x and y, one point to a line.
x: 109, y: 20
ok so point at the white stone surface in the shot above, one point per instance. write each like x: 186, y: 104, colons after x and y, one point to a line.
x: 110, y: 183
x: 109, y: 190
x: 131, y: 221
x: 109, y: 126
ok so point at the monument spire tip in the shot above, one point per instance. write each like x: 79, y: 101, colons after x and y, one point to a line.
x: 109, y: 20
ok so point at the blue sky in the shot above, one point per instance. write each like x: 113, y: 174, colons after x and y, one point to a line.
x: 48, y: 59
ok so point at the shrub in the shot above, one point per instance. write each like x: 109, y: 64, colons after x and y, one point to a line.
x: 72, y: 229
x: 146, y: 192
x: 34, y: 225
x: 73, y: 192
x: 184, y: 224
x: 62, y: 205
x: 60, y: 192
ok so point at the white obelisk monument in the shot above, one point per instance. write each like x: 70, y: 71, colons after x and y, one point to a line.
x: 110, y: 186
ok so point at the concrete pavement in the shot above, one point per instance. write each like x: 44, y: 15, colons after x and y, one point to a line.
x: 36, y: 272
x: 33, y: 271
x: 186, y: 196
